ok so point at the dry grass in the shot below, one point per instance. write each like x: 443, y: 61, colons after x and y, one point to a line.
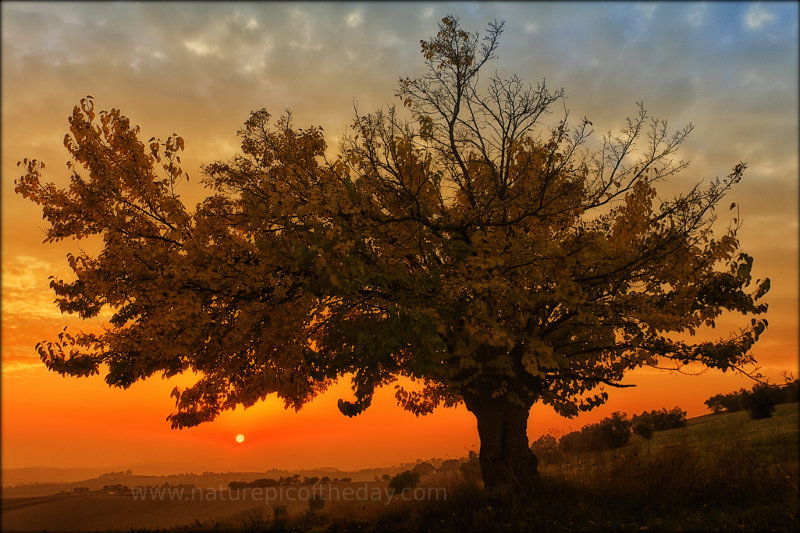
x: 719, y: 473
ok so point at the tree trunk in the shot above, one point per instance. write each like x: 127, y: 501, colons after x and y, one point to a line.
x: 508, y: 466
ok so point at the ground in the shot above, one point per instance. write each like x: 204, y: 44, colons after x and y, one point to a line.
x: 719, y: 472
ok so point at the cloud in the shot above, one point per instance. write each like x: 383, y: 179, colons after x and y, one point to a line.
x: 758, y: 17
x: 201, y: 47
x: 354, y: 19
x: 200, y: 72
x: 696, y: 15
x: 14, y: 364
x: 14, y: 367
x: 647, y: 10
x: 26, y: 291
x: 302, y: 36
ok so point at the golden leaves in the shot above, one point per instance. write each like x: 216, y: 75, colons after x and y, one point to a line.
x: 468, y: 254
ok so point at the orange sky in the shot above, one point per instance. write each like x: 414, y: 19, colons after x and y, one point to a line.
x: 199, y: 69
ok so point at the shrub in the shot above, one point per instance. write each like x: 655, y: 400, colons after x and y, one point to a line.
x: 404, y: 481
x: 729, y: 403
x: 643, y: 429
x: 281, y: 514
x: 471, y: 468
x: 792, y: 391
x: 661, y: 419
x: 614, y: 432
x: 715, y: 404
x: 449, y: 465
x: 676, y: 418
x: 609, y: 433
x: 424, y: 468
x: 760, y: 402
x: 264, y: 482
x: 316, y: 503
x: 573, y: 442
x: 546, y: 449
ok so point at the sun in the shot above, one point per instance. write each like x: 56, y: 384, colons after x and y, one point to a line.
x: 240, y: 438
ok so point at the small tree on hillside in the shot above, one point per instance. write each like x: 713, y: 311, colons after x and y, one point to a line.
x: 546, y: 449
x: 614, y: 431
x: 761, y: 400
x: 404, y: 481
x: 661, y: 419
x: 610, y: 433
x: 728, y: 403
x: 791, y: 389
x: 424, y: 468
x: 450, y: 465
x: 467, y: 243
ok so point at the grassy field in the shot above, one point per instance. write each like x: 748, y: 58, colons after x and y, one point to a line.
x: 720, y: 472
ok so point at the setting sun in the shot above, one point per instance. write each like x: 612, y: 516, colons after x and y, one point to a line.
x: 240, y: 438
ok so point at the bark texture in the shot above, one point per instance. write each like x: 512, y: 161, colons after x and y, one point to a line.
x: 508, y: 466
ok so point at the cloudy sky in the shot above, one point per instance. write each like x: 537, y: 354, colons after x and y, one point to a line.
x: 199, y: 69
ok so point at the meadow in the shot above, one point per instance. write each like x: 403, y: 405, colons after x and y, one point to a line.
x: 723, y: 472
x: 720, y: 472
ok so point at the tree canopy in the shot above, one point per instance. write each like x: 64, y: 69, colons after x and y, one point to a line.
x: 466, y: 240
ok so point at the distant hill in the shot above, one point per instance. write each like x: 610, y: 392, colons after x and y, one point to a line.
x: 43, y: 474
x: 680, y: 479
x: 42, y: 481
x: 10, y: 477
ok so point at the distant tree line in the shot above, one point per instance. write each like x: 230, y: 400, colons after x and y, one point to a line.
x: 647, y: 422
x: 117, y: 487
x: 288, y: 480
x: 759, y: 401
x: 610, y: 433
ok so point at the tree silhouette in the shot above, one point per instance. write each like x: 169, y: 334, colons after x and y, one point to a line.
x: 490, y: 258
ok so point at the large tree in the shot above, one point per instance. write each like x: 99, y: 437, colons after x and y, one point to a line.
x: 461, y: 242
